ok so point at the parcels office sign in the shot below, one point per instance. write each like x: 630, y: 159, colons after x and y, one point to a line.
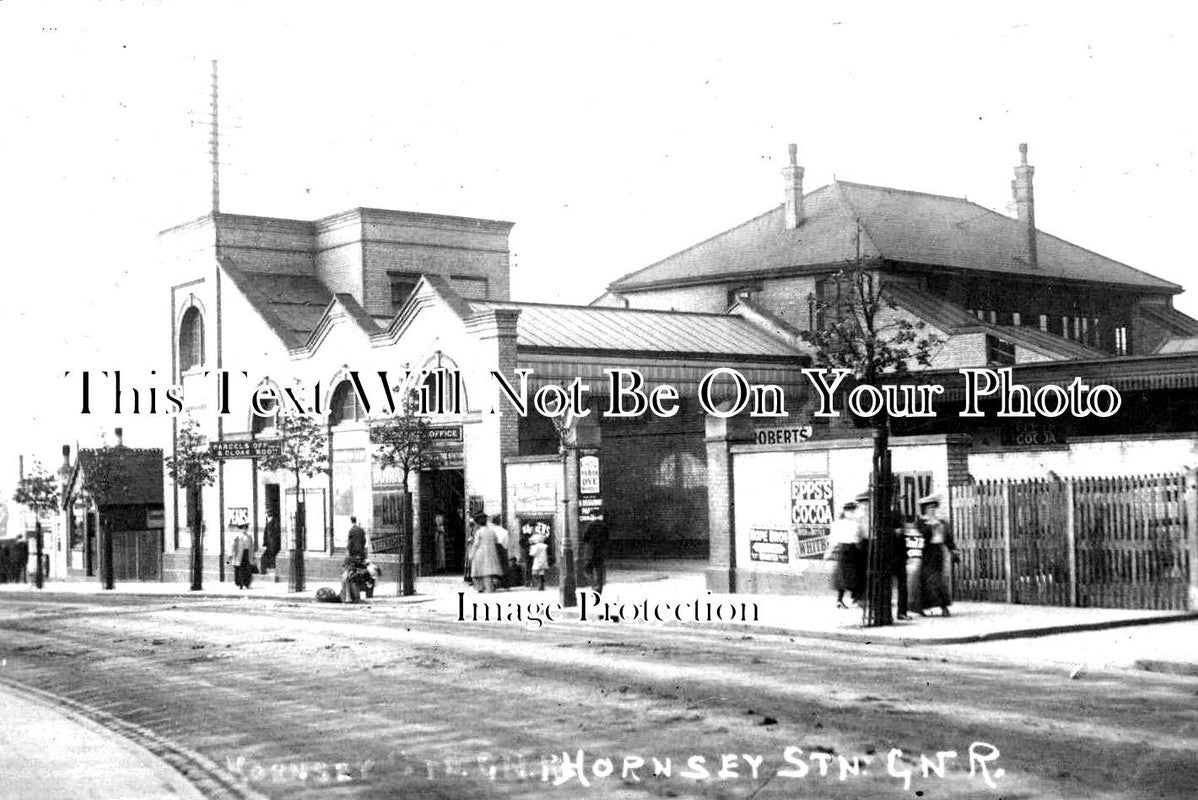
x: 244, y: 449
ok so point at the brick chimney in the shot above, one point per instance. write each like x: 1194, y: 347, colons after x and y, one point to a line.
x: 793, y: 175
x: 1025, y: 204
x: 120, y: 437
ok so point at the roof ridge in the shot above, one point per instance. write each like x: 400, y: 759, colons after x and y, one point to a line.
x: 908, y: 191
x: 716, y: 314
x: 860, y: 222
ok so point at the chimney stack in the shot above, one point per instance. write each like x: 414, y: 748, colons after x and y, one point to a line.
x: 1025, y: 203
x: 120, y: 437
x: 793, y: 174
x: 66, y: 455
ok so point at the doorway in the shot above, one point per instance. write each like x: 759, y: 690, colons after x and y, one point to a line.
x: 442, y: 492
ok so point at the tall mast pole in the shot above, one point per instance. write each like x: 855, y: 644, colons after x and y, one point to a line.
x: 215, y: 143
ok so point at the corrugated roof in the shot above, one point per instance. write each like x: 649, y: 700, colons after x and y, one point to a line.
x: 897, y: 225
x: 292, y: 305
x: 593, y: 328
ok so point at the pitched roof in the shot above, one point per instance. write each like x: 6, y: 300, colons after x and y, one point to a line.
x: 1171, y: 319
x: 896, y: 225
x: 594, y: 329
x: 137, y: 474
x: 292, y: 305
x: 1179, y: 344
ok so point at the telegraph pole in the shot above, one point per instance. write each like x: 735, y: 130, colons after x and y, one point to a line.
x: 214, y: 141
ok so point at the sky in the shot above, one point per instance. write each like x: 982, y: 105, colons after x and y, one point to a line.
x: 612, y: 134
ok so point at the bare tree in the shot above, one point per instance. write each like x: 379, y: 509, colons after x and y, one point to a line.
x: 304, y: 452
x: 405, y: 443
x: 860, y: 329
x: 105, y: 474
x: 39, y: 493
x: 191, y: 468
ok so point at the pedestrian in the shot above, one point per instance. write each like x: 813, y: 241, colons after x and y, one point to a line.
x: 913, y: 538
x: 939, y: 551
x: 844, y: 538
x: 5, y: 567
x: 595, y: 538
x: 471, y: 527
x: 272, y: 542
x: 355, y: 561
x: 356, y: 542
x: 241, y: 556
x: 439, y: 537
x: 502, y: 541
x: 485, y: 565
x: 538, y: 556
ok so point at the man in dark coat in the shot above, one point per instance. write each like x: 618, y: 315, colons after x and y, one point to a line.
x: 595, y: 538
x: 272, y: 541
x: 357, y: 542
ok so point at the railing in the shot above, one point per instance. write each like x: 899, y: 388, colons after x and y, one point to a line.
x: 1117, y: 542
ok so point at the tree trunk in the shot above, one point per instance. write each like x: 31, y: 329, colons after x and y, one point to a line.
x: 877, y: 609
x: 197, y: 557
x: 407, y: 566
x: 39, y: 578
x: 298, y: 578
x: 109, y: 574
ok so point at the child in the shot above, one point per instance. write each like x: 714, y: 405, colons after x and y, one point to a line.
x: 538, y: 552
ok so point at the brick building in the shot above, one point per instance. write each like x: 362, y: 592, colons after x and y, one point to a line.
x: 371, y: 290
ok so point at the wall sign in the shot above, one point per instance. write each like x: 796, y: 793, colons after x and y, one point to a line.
x: 792, y: 434
x: 588, y: 474
x: 771, y: 545
x: 255, y: 448
x: 811, y: 509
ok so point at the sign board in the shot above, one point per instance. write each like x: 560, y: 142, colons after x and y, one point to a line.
x: 811, y: 509
x: 1031, y: 433
x: 811, y: 547
x: 588, y: 475
x: 534, y: 494
x: 529, y: 526
x: 784, y: 435
x: 445, y: 433
x: 155, y: 518
x: 770, y: 545
x: 249, y: 448
x: 236, y: 516
x: 590, y: 509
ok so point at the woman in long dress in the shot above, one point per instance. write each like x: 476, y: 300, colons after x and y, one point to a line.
x: 938, y: 551
x: 844, y: 542
x: 485, y: 566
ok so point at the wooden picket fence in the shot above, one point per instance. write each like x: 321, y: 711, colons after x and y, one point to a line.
x: 1117, y: 542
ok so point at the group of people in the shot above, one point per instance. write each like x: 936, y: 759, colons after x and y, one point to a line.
x: 243, y: 557
x: 929, y: 542
x: 14, y: 560
x: 495, y: 559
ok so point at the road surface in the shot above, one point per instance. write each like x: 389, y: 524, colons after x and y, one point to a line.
x: 270, y: 698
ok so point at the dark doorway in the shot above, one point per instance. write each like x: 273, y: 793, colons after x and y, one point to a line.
x: 442, y: 492
x: 270, y: 495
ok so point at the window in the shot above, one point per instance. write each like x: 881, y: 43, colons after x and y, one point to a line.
x: 1121, y: 340
x: 999, y: 352
x: 259, y: 424
x: 746, y: 292
x: 402, y: 286
x: 345, y: 406
x: 191, y: 340
x: 1044, y: 322
x: 1016, y: 318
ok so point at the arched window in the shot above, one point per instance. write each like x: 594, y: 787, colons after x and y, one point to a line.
x: 258, y: 424
x: 345, y: 406
x: 191, y: 340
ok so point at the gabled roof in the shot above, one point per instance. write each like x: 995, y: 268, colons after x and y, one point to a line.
x: 137, y: 475
x: 598, y: 329
x: 292, y: 305
x: 901, y: 227
x: 1171, y: 319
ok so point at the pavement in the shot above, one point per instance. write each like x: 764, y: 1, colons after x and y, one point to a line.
x: 49, y: 753
x: 632, y: 591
